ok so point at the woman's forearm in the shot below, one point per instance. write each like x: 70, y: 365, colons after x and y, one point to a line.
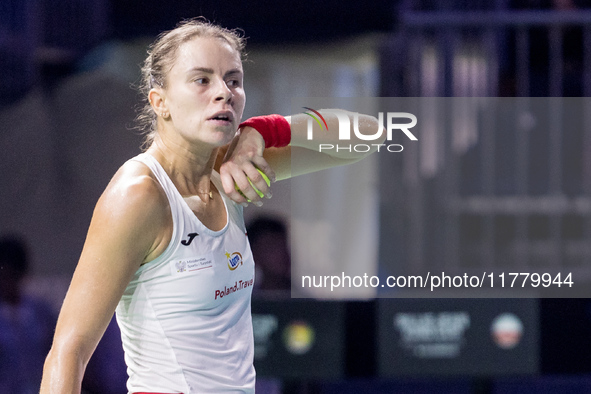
x: 62, y: 373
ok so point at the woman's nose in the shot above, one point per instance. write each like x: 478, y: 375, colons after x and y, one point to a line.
x: 223, y: 92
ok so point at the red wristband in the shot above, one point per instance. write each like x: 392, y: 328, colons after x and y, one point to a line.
x: 275, y: 129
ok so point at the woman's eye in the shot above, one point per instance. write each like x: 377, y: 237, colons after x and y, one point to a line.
x: 202, y: 81
x: 233, y: 83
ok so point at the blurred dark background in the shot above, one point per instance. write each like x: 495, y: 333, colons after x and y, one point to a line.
x: 42, y: 40
x: 59, y: 122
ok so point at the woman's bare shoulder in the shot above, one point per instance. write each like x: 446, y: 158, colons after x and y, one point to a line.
x: 132, y: 215
x: 134, y: 193
x: 135, y: 179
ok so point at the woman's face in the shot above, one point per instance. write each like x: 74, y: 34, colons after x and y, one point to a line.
x: 205, y: 95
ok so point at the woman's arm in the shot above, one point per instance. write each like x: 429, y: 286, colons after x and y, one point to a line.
x: 305, y: 155
x: 125, y: 230
x: 302, y: 156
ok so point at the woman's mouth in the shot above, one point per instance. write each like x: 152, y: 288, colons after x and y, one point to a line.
x: 222, y: 119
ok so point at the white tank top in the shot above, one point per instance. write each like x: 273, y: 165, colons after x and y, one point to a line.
x: 185, y: 317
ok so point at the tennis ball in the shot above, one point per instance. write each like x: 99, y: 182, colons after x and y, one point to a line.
x: 260, y: 193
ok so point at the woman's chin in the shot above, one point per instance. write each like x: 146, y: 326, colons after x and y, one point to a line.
x: 217, y: 140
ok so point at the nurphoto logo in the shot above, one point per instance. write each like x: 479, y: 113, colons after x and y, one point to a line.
x: 395, y: 121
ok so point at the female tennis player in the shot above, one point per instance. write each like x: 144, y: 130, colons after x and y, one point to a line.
x: 167, y: 249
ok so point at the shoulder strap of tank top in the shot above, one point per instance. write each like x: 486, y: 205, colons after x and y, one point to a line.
x: 173, y: 201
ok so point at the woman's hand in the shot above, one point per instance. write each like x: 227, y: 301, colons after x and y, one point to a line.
x: 243, y: 157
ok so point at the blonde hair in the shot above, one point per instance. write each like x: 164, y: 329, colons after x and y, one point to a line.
x: 162, y: 54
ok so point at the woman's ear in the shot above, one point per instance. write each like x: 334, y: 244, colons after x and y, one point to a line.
x: 158, y: 102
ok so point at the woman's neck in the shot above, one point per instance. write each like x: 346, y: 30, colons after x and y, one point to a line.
x: 189, y: 169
